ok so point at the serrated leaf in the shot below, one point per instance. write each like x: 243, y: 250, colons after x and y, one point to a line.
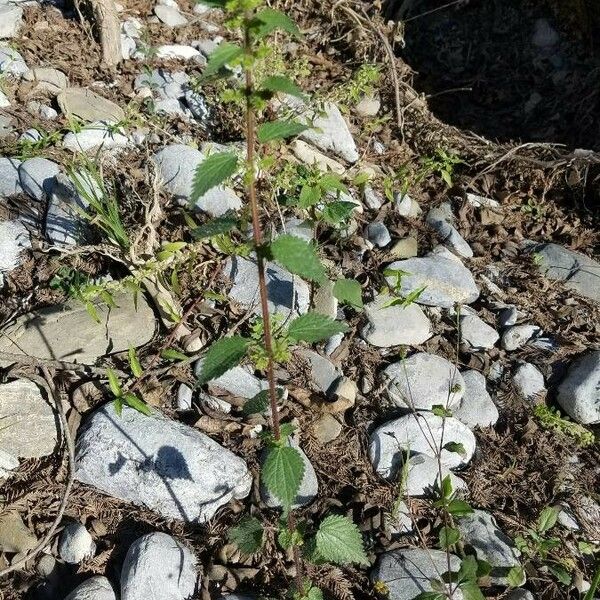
x: 448, y: 536
x: 314, y: 327
x: 172, y: 354
x: 114, y: 383
x: 339, y: 541
x: 459, y: 508
x: 268, y: 20
x: 470, y: 591
x: 298, y: 256
x: 134, y: 362
x: 223, y: 54
x: 547, y: 519
x: 257, y: 404
x: 337, y: 212
x: 560, y: 573
x: 515, y: 577
x: 278, y: 83
x: 309, y: 196
x: 134, y: 402
x: 468, y: 569
x: 218, y: 226
x: 279, y: 130
x: 213, y: 171
x: 348, y: 291
x: 439, y: 410
x: 248, y: 535
x: 282, y: 473
x: 223, y: 355
x: 331, y: 182
x: 456, y: 447
x: 287, y: 538
x: 314, y: 593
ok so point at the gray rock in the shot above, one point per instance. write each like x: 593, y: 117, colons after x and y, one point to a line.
x: 4, y: 101
x: 64, y: 223
x: 377, y: 233
x: 407, y: 573
x: 423, y: 477
x: 6, y: 125
x: 163, y: 84
x: 544, y: 35
x: 8, y: 463
x: 94, y: 588
x: 519, y: 594
x: 508, y: 316
x: 480, y: 530
x: 517, y: 336
x: 566, y: 519
x: 405, y: 248
x: 12, y: 63
x: 100, y: 134
x: 238, y: 381
x: 419, y: 432
x: 184, y: 397
x: 440, y: 219
x: 395, y: 325
x: 46, y: 566
x: 176, y: 165
x: 372, y: 199
x: 579, y: 392
x: 15, y: 537
x: 400, y: 521
x: 405, y: 206
x: 69, y: 333
x: 38, y: 176
x: 48, y: 80
x: 21, y: 404
x: 30, y: 135
x: 476, y: 408
x: 82, y: 103
x: 324, y: 373
x: 446, y: 281
x: 41, y: 110
x: 158, y: 566
x: 286, y: 293
x: 476, y: 334
x: 170, y: 15
x: 76, y: 544
x: 10, y: 183
x: 11, y: 18
x: 333, y: 343
x: 310, y: 156
x: 163, y: 465
x: 529, y: 381
x: 197, y: 105
x: 578, y: 271
x: 14, y: 238
x: 422, y: 381
x: 301, y: 228
x: 171, y: 107
x: 368, y: 106
x: 324, y: 301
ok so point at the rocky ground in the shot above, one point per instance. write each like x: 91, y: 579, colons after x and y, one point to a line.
x: 480, y: 292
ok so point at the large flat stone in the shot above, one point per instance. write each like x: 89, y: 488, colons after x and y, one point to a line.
x: 10, y: 184
x: 161, y: 464
x: 84, y: 104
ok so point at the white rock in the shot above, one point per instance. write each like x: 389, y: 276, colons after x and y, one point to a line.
x: 177, y: 51
x: 476, y: 334
x: 158, y: 463
x: 373, y: 199
x: 517, y: 336
x: 441, y: 220
x: 423, y: 477
x: 158, y: 566
x: 100, y: 134
x: 579, y: 392
x: 395, y: 325
x: 11, y: 62
x: 76, y: 544
x: 170, y: 15
x: 333, y: 343
x: 11, y: 18
x: 237, y: 381
x: 406, y: 206
x: 14, y: 238
x: 419, y: 432
x: 476, y: 408
x: 368, y: 107
x: 184, y: 397
x: 308, y: 155
x: 324, y: 373
x: 94, y: 588
x: 377, y: 233
x: 8, y: 463
x: 424, y: 380
x: 4, y: 101
x: 64, y: 223
x: 529, y: 381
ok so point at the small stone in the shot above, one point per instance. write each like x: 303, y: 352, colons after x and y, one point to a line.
x: 481, y: 201
x: 476, y: 334
x: 372, y: 198
x: 100, y: 134
x: 346, y: 388
x: 423, y: 477
x: 15, y: 537
x: 405, y: 248
x: 64, y: 223
x: 170, y: 15
x: 6, y: 125
x: 566, y: 519
x: 172, y: 107
x: 8, y: 463
x: 441, y: 220
x: 76, y: 544
x: 11, y: 18
x: 197, y: 104
x: 508, y: 316
x: 406, y: 206
x: 38, y: 176
x: 544, y: 35
x: 14, y: 238
x: 423, y: 381
x: 163, y: 84
x: 178, y: 51
x: 579, y: 392
x: 12, y: 63
x: 529, y: 382
x: 157, y: 562
x: 517, y: 336
x: 324, y: 374
x: 237, y: 381
x: 327, y: 429
x: 184, y: 397
x: 476, y: 408
x: 368, y: 107
x: 419, y: 432
x: 94, y: 588
x: 42, y: 110
x: 301, y: 228
x: 377, y: 233
x: 48, y: 80
x: 324, y: 301
x: 395, y: 325
x: 333, y: 343
x: 86, y: 105
x: 308, y: 155
x: 46, y: 565
x: 30, y: 135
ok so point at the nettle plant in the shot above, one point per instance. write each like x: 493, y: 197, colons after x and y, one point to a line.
x: 336, y: 539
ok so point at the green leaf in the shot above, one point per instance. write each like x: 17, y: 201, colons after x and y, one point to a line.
x: 337, y: 212
x: 268, y: 20
x: 459, y: 508
x: 348, y: 291
x: 282, y: 473
x: 430, y: 596
x: 547, y: 519
x: 439, y: 410
x: 218, y: 226
x: 134, y: 402
x: 309, y: 196
x: 298, y: 256
x: 213, y: 3
x: 172, y: 354
x: 560, y: 573
x: 118, y: 404
x: 287, y: 538
x: 447, y: 487
x: 279, y: 130
x: 468, y: 569
x: 314, y: 327
x: 314, y: 593
x: 278, y: 83
x: 248, y: 535
x: 212, y: 171
x: 448, y: 536
x: 258, y: 404
x: 134, y: 362
x: 471, y: 591
x: 331, y: 182
x: 456, y: 447
x: 223, y: 355
x: 515, y: 577
x: 339, y: 541
x: 221, y: 56
x: 114, y: 383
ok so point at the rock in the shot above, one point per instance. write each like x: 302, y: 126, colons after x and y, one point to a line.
x: 566, y: 519
x: 14, y: 238
x: 64, y: 223
x: 69, y: 333
x: 157, y: 565
x: 441, y: 220
x: 46, y: 566
x: 578, y: 271
x: 100, y: 134
x: 4, y: 101
x: 519, y: 594
x: 418, y: 433
x: 372, y: 199
x: 21, y: 404
x: 170, y: 15
x: 476, y: 334
x: 172, y: 107
x: 8, y: 463
x: 11, y: 18
x: 508, y: 316
x: 237, y: 381
x: 480, y: 531
x: 12, y: 63
x: 476, y: 408
x: 579, y: 392
x: 327, y: 429
x: 544, y: 35
x: 529, y: 382
x: 423, y: 477
x: 377, y: 233
x: 517, y: 336
x: 179, y: 51
x: 447, y: 282
x: 308, y: 155
x: 42, y: 110
x: 395, y: 325
x: 94, y: 588
x: 38, y: 176
x: 184, y: 397
x: 368, y: 107
x: 30, y: 135
x: 333, y: 343
x: 324, y: 374
x: 48, y: 80
x: 405, y: 248
x: 406, y: 206
x: 158, y: 463
x: 286, y: 293
x: 176, y: 165
x: 6, y: 125
x: 15, y: 537
x: 163, y: 84
x: 345, y: 388
x: 407, y: 573
x: 10, y: 183
x: 86, y: 105
x: 301, y: 228
x: 197, y: 105
x: 76, y: 544
x: 423, y: 381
